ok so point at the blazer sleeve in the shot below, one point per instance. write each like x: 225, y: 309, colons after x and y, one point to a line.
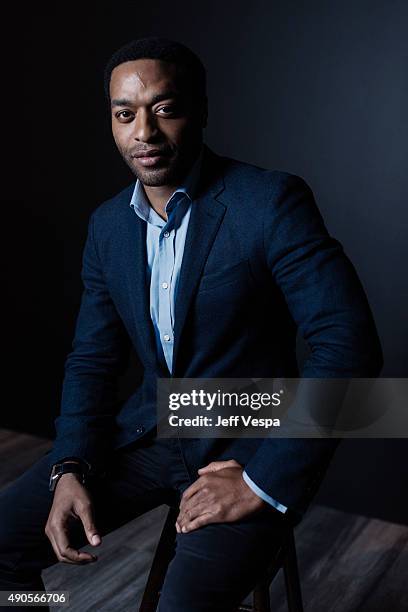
x: 327, y: 302
x: 100, y: 352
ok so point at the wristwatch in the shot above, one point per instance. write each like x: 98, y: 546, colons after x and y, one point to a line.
x: 68, y: 467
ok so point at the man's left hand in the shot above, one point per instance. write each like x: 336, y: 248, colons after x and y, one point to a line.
x: 220, y: 495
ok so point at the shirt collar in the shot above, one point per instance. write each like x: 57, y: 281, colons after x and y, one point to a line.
x: 141, y: 205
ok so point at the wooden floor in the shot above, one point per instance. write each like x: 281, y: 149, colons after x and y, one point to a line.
x: 347, y: 563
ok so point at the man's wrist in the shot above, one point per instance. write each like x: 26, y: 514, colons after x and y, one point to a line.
x: 250, y: 494
x: 87, y: 468
x: 67, y: 476
x: 266, y: 498
x: 68, y: 466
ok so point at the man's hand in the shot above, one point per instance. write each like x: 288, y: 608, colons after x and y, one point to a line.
x: 71, y: 501
x: 220, y: 495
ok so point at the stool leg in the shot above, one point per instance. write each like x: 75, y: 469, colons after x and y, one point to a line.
x: 262, y: 600
x: 290, y: 568
x: 163, y: 555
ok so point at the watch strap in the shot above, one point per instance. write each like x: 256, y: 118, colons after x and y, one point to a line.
x: 68, y: 467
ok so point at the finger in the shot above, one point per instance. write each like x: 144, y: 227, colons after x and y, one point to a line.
x: 65, y: 552
x: 215, y: 466
x: 71, y: 555
x: 51, y: 538
x: 188, y: 515
x: 85, y: 513
x: 195, y: 499
x: 192, y: 490
x: 200, y: 521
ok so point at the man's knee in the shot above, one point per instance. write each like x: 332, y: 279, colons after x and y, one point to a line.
x: 216, y: 566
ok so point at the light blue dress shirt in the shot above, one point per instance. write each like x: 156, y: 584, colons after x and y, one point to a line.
x: 165, y: 242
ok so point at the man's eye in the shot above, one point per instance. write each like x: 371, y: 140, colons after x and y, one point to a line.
x: 124, y: 114
x: 166, y: 110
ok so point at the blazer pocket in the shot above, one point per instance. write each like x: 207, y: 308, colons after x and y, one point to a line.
x: 237, y: 272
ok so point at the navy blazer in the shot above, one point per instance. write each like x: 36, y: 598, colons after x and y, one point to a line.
x: 258, y: 265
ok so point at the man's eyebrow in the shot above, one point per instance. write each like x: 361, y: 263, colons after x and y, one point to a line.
x: 121, y: 102
x: 157, y: 98
x: 165, y: 96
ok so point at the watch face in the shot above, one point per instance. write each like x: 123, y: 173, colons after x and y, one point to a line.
x: 53, y: 478
x: 56, y: 469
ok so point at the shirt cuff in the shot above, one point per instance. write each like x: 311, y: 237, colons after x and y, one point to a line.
x: 262, y: 494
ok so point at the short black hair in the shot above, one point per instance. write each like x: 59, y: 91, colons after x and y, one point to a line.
x: 154, y: 47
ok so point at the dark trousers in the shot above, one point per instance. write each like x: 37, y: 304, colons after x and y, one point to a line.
x: 214, y: 567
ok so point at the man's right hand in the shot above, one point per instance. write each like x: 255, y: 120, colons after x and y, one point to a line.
x: 71, y: 501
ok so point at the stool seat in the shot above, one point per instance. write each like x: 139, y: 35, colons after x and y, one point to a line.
x: 285, y: 557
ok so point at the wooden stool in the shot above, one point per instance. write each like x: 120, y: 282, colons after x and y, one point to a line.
x: 285, y: 557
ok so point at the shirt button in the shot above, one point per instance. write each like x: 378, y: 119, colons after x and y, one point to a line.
x: 166, y: 337
x: 166, y: 234
x: 140, y: 430
x: 164, y: 285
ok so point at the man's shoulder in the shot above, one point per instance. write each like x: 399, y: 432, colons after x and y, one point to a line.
x: 243, y: 177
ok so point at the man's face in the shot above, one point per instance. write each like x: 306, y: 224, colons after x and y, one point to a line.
x: 156, y: 122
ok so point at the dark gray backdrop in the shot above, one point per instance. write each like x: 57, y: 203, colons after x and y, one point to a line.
x: 315, y: 88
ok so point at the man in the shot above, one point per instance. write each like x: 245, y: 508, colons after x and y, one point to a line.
x: 207, y: 267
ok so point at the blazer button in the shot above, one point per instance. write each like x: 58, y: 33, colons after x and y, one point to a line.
x: 140, y: 430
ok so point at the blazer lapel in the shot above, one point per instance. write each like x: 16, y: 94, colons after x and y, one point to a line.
x: 139, y: 291
x: 205, y: 219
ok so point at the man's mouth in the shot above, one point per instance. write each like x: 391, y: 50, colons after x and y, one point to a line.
x: 151, y: 157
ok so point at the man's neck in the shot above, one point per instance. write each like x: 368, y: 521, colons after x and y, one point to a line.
x: 160, y: 195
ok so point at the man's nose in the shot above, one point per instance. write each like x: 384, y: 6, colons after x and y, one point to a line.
x: 145, y: 126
